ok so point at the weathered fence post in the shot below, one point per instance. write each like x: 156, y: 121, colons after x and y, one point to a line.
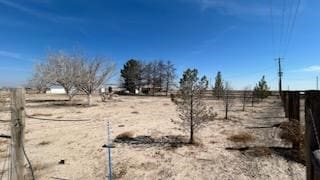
x: 285, y: 95
x: 293, y: 102
x: 312, y: 124
x: 293, y: 105
x: 17, y: 133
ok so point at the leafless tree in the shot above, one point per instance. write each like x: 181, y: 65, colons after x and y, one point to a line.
x: 170, y: 75
x: 93, y: 74
x: 227, y: 99
x: 245, y: 96
x: 40, y: 79
x: 63, y: 69
x: 194, y: 113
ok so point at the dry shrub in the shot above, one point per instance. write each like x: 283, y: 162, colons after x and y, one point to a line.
x: 134, y: 112
x: 43, y: 143
x: 291, y: 132
x: 242, y: 137
x: 125, y: 136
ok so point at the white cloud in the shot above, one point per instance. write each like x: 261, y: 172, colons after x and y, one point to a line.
x: 38, y: 13
x: 313, y: 68
x: 236, y: 7
x: 10, y: 54
x: 14, y: 55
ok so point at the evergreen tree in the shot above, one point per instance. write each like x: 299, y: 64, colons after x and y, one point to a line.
x: 218, y: 86
x: 132, y: 75
x: 261, y: 90
x: 193, y: 111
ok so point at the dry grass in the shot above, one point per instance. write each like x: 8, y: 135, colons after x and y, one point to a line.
x: 292, y: 132
x: 125, y: 135
x: 242, y: 137
x: 119, y: 171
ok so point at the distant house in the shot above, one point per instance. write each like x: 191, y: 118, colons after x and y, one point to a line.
x: 55, y: 90
x: 115, y: 88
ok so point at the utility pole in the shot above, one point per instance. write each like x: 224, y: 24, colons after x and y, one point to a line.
x: 280, y: 73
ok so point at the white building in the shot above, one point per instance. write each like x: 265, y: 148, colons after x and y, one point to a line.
x: 56, y: 90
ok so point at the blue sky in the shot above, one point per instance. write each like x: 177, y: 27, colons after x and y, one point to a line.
x: 231, y: 36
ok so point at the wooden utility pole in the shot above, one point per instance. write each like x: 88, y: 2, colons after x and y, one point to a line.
x: 280, y: 73
x: 17, y: 133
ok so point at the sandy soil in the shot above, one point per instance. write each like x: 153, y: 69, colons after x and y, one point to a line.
x: 80, y: 143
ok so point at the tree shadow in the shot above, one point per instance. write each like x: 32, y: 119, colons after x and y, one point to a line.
x: 63, y: 104
x: 148, y: 141
x: 46, y: 100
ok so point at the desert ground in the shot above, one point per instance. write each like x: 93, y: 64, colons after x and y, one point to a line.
x: 75, y: 133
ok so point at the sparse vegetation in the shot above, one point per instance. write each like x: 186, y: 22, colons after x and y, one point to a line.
x: 125, y: 135
x: 194, y: 113
x: 292, y: 132
x: 218, y: 88
x: 44, y: 143
x: 245, y: 96
x: 227, y: 99
x: 261, y: 90
x: 242, y: 137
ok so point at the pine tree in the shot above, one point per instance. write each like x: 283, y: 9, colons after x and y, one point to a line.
x: 132, y: 75
x: 193, y: 111
x: 218, y: 86
x: 261, y: 90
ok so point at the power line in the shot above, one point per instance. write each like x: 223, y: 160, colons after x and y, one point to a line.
x: 272, y: 26
x: 292, y: 27
x: 290, y: 12
x: 282, y: 25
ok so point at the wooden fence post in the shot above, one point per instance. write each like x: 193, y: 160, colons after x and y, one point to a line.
x: 17, y: 133
x: 294, y: 105
x: 312, y: 105
x: 285, y: 102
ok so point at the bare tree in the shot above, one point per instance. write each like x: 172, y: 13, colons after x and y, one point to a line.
x: 227, y: 99
x: 194, y: 113
x: 92, y: 75
x: 245, y: 96
x: 63, y: 69
x: 40, y: 79
x: 170, y: 75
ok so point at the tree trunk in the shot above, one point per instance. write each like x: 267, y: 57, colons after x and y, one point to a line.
x: 244, y: 103
x: 191, y: 120
x: 227, y: 108
x: 89, y: 99
x: 167, y: 88
x: 70, y: 97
